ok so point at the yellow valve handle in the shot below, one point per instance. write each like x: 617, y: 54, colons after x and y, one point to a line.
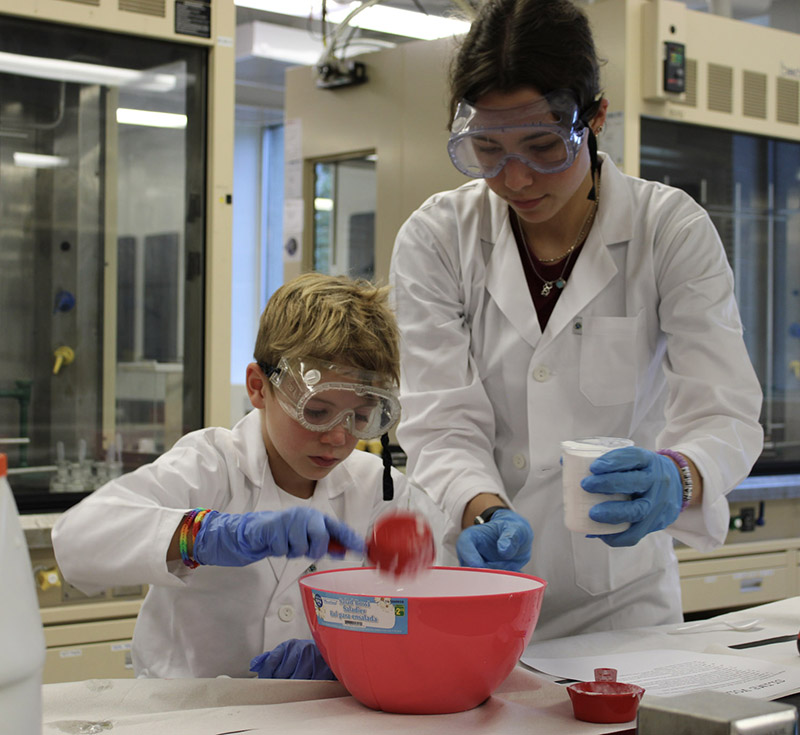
x: 47, y: 578
x: 64, y: 356
x: 795, y: 366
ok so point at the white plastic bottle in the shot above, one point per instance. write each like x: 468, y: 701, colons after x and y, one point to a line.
x: 22, y: 647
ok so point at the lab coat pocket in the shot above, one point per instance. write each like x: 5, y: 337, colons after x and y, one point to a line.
x: 608, y: 362
x: 600, y: 569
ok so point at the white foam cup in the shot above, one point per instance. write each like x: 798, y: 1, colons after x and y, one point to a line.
x: 576, y: 456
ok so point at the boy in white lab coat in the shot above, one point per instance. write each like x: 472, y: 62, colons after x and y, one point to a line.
x: 223, y: 525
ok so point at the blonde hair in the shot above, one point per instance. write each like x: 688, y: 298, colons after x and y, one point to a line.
x: 332, y: 318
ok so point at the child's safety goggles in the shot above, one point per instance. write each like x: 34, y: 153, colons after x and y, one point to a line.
x: 320, y: 395
x: 545, y: 135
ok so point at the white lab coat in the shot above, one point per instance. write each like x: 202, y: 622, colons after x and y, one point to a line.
x: 210, y: 620
x: 645, y: 342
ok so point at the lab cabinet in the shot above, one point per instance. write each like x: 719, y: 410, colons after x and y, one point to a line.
x: 87, y: 637
x: 739, y: 574
x: 90, y: 649
x: 84, y: 292
x: 116, y: 133
x: 83, y: 661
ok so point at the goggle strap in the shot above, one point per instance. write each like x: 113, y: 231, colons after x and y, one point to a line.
x: 268, y: 370
x: 592, y: 195
x: 386, y: 456
x: 587, y: 113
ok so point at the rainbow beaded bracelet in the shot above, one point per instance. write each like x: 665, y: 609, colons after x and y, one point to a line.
x: 192, y: 520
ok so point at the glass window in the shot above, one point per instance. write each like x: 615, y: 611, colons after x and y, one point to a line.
x: 750, y: 186
x: 344, y: 217
x: 102, y: 192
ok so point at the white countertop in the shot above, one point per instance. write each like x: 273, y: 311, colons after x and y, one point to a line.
x: 525, y: 703
x: 216, y: 706
x: 776, y: 619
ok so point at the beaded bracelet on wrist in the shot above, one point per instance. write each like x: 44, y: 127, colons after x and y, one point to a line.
x: 191, y: 524
x: 686, y: 475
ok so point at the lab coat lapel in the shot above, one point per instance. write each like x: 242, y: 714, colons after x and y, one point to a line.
x: 596, y: 267
x: 251, y: 454
x: 505, y: 280
x: 591, y: 274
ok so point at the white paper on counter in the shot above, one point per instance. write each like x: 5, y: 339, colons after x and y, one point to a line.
x: 524, y: 704
x: 667, y: 673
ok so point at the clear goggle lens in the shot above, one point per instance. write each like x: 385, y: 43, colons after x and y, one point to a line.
x: 307, y: 393
x: 364, y: 414
x: 545, y: 135
x: 483, y: 155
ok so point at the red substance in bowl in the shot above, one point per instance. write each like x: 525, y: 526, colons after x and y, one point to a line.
x: 441, y: 642
x: 401, y: 543
x: 605, y: 701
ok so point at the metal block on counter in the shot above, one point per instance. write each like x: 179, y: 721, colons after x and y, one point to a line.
x: 714, y: 713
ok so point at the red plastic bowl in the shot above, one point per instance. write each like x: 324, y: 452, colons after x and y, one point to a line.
x: 441, y: 642
x: 605, y: 701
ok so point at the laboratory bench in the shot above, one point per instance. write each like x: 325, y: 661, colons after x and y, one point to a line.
x: 529, y: 701
x: 759, y: 563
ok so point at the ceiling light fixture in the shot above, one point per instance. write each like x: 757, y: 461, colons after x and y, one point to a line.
x: 381, y: 19
x: 39, y: 160
x: 149, y: 118
x: 61, y: 70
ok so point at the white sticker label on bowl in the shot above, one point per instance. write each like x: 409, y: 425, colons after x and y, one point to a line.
x: 366, y: 614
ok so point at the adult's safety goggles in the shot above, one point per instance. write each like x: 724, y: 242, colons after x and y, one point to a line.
x: 320, y: 395
x: 545, y: 135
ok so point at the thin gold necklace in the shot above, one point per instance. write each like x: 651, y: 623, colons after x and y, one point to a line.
x: 560, y: 282
x: 547, y: 286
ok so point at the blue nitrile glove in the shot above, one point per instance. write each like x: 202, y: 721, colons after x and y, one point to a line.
x: 292, y: 659
x: 652, y: 480
x: 502, y: 543
x: 233, y: 540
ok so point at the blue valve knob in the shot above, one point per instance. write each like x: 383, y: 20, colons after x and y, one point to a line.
x: 65, y: 301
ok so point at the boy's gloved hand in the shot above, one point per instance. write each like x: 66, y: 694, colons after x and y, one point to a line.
x: 234, y: 540
x: 502, y: 543
x: 292, y: 659
x: 652, y: 480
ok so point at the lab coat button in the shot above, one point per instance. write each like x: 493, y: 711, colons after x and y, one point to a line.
x: 286, y: 613
x: 541, y: 373
x: 519, y: 461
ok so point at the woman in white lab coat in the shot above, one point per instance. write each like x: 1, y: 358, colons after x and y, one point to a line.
x: 280, y: 485
x: 551, y: 298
